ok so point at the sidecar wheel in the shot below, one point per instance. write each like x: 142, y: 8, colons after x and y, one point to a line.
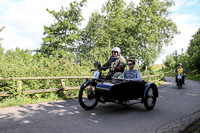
x: 87, y: 98
x: 150, y: 98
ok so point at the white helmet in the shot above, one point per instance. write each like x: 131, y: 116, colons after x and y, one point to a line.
x: 180, y: 64
x: 117, y: 49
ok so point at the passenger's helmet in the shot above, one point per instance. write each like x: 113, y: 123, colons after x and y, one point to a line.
x: 117, y: 49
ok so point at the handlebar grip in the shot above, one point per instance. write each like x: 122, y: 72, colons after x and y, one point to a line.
x: 101, y: 68
x: 93, y: 69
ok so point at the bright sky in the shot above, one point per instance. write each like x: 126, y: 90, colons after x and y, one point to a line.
x: 24, y: 21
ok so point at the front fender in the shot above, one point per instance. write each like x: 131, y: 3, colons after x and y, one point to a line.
x: 87, y: 82
x: 154, y: 88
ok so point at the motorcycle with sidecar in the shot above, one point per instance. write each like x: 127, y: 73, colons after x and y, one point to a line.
x: 116, y: 90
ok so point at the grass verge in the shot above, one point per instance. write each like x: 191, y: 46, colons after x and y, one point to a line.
x: 193, y: 128
x: 37, y: 98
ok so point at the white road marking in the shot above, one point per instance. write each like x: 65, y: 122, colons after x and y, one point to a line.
x: 191, y: 94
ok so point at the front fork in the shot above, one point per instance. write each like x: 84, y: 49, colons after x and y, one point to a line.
x: 92, y: 83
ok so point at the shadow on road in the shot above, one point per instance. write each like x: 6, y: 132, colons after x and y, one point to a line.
x: 35, y: 112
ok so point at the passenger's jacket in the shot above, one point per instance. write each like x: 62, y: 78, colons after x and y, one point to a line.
x: 118, y: 63
x: 132, y: 74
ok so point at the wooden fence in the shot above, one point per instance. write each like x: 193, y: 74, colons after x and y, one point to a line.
x: 152, y: 78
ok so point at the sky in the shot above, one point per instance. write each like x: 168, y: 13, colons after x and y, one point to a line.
x: 24, y: 21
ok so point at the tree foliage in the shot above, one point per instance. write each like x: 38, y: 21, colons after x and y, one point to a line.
x: 194, y: 51
x: 1, y: 29
x: 140, y: 31
x: 189, y: 59
x: 174, y: 59
x: 61, y: 38
x: 1, y: 49
x: 20, y: 63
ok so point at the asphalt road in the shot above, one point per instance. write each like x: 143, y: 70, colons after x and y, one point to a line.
x: 174, y: 110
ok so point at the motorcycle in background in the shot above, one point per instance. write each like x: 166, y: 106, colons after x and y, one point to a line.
x: 179, y: 80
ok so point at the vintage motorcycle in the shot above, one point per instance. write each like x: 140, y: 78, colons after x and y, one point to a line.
x: 179, y: 80
x: 117, y: 90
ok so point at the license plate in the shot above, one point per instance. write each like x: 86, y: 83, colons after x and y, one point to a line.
x: 179, y: 76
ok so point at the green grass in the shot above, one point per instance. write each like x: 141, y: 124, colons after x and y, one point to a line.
x: 37, y: 98
x: 193, y: 128
x: 195, y: 77
x: 169, y: 73
x: 159, y: 82
x: 17, y: 101
x: 22, y: 101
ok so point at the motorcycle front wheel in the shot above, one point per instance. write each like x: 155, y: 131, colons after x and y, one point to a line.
x: 179, y: 83
x: 87, y: 98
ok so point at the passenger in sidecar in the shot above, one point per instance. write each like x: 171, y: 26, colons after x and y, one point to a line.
x: 132, y: 73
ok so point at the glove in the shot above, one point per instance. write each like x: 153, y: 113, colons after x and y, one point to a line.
x: 112, y: 69
x: 118, y: 68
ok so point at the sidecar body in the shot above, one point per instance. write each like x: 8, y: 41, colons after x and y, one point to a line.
x: 124, y: 90
x: 121, y: 90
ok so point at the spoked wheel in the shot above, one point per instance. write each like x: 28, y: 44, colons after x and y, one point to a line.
x: 150, y: 98
x: 87, y: 98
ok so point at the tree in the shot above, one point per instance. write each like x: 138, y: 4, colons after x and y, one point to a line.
x: 106, y: 30
x: 62, y: 37
x: 1, y: 29
x: 1, y: 49
x: 194, y: 51
x: 154, y: 29
x: 139, y: 31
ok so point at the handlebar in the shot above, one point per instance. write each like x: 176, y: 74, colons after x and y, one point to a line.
x: 181, y: 74
x: 95, y: 69
x: 101, y: 68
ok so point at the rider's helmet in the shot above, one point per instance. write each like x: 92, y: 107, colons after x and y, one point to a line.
x: 116, y: 49
x: 180, y: 64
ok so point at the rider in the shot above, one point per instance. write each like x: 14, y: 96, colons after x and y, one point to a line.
x: 180, y: 70
x: 116, y: 63
x: 132, y: 73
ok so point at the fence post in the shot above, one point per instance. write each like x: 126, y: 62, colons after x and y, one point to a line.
x: 69, y: 93
x: 63, y: 85
x: 19, y: 88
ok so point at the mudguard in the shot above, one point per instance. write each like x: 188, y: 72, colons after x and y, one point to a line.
x: 87, y: 82
x: 151, y: 84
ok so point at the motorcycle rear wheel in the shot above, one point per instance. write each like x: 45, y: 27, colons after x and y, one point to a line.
x: 87, y: 98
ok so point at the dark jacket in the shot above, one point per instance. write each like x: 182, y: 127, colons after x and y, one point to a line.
x: 115, y: 64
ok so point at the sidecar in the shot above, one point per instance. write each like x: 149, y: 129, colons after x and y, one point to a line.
x: 120, y: 91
